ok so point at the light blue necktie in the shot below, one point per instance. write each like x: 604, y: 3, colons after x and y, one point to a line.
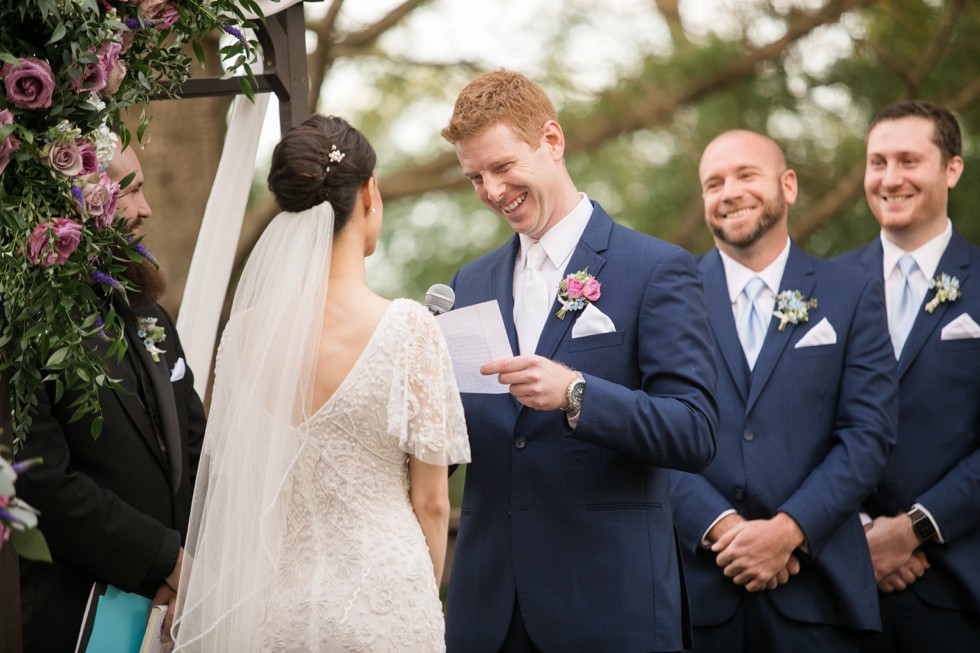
x: 751, y: 327
x: 904, y: 306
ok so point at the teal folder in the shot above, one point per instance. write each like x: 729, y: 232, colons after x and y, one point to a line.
x: 119, y: 621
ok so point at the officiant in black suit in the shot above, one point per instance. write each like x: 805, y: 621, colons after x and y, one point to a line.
x: 114, y: 509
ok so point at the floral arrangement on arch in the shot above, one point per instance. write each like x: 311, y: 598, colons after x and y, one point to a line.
x: 67, y: 70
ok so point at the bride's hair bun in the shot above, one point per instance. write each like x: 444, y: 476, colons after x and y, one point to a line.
x: 322, y: 159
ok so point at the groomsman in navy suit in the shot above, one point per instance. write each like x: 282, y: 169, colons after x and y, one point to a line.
x: 773, y: 548
x: 925, y: 533
x: 566, y: 542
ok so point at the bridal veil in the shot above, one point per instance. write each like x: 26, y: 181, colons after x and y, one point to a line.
x: 261, y: 401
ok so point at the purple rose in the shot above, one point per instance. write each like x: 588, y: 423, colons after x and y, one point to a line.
x: 29, y: 83
x: 114, y: 69
x: 591, y: 290
x: 42, y: 250
x: 89, y: 155
x: 91, y: 80
x: 100, y: 199
x: 10, y: 144
x: 64, y: 157
x: 574, y: 288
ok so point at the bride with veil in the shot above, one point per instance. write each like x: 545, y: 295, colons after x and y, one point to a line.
x: 320, y: 514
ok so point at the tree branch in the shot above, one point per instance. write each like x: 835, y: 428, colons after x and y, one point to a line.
x: 637, y: 106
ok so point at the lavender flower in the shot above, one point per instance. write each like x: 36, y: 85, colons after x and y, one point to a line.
x: 145, y: 253
x: 234, y: 31
x: 106, y: 280
x: 79, y: 196
x: 102, y: 335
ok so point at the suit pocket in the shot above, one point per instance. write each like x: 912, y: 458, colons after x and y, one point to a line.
x: 967, y: 344
x: 597, y: 341
x: 816, y: 350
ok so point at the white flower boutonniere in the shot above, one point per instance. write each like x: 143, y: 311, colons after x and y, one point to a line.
x: 947, y: 290
x: 576, y: 291
x: 147, y: 329
x: 791, y: 308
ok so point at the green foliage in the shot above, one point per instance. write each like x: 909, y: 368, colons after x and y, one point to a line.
x: 97, y: 58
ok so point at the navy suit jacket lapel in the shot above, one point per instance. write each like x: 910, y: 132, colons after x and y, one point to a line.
x: 594, y: 239
x: 502, y: 286
x: 798, y: 275
x: 954, y: 262
x: 723, y: 321
x: 160, y: 385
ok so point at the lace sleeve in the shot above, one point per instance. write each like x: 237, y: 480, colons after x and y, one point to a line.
x: 425, y: 413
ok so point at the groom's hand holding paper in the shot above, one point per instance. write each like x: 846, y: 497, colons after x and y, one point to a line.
x: 475, y: 336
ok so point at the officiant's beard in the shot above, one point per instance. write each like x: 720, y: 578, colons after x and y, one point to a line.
x: 149, y: 282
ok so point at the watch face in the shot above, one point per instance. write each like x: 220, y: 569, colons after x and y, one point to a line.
x: 578, y: 390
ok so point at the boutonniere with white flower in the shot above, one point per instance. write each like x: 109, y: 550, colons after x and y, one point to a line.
x: 147, y: 329
x: 576, y: 291
x: 947, y: 290
x: 791, y: 308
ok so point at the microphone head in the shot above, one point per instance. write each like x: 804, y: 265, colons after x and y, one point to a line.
x: 439, y: 298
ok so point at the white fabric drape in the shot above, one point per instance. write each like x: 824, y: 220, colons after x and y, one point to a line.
x: 262, y: 398
x: 214, y: 253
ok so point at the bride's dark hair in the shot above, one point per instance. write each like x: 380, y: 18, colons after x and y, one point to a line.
x: 303, y: 173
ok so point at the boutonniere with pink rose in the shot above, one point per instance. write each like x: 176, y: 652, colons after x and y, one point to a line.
x: 576, y: 291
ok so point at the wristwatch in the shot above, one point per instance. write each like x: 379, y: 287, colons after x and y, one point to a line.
x: 924, y: 529
x: 574, y: 393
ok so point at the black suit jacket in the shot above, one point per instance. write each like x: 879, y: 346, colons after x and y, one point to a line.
x: 113, y: 509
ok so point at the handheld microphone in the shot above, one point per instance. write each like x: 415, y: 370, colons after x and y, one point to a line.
x: 439, y: 298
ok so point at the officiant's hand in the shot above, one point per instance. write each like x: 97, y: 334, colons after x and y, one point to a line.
x: 167, y: 596
x: 536, y: 381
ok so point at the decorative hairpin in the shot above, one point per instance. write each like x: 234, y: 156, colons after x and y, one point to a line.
x: 335, y: 156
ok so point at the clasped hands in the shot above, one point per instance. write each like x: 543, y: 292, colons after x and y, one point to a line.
x: 536, y: 381
x: 895, y: 555
x: 757, y: 554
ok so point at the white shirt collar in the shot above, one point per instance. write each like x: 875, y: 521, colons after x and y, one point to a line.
x: 927, y: 256
x: 560, y: 240
x: 738, y: 275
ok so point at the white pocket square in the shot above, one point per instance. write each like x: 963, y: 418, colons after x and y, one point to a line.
x: 822, y: 334
x: 592, y: 321
x: 962, y: 328
x: 177, y: 373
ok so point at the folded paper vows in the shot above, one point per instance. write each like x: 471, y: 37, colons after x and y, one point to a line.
x: 476, y: 336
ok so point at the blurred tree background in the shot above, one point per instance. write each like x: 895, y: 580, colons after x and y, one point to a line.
x: 641, y: 87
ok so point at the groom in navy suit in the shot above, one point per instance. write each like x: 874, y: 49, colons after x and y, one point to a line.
x: 773, y: 548
x: 566, y: 541
x: 925, y: 533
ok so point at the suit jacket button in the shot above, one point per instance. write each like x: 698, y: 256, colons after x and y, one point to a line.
x: 748, y: 436
x: 739, y: 494
x: 520, y: 442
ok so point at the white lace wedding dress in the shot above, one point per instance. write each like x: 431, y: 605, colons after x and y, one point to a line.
x: 355, y: 573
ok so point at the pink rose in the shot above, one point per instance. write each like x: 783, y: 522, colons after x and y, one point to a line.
x: 42, y: 250
x: 29, y: 83
x: 109, y: 55
x: 574, y: 288
x: 10, y: 144
x: 89, y: 155
x: 591, y: 290
x: 91, y: 80
x: 115, y: 78
x: 161, y: 12
x: 64, y: 157
x: 100, y: 200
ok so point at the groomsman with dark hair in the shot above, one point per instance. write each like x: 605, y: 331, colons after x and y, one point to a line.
x: 924, y: 530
